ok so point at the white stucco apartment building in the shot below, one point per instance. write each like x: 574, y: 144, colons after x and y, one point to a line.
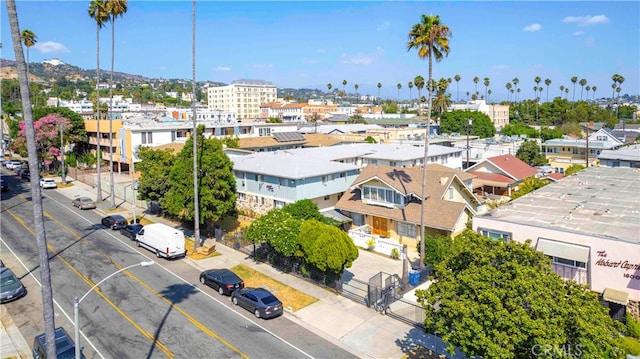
x: 243, y: 97
x: 588, y: 224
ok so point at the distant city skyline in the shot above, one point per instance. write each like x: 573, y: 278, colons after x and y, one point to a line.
x: 308, y: 44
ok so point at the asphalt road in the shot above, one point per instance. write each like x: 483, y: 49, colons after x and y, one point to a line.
x: 146, y: 312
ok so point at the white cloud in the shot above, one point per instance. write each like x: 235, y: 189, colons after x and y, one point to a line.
x: 358, y: 59
x: 586, y: 20
x: 51, y: 47
x: 222, y: 69
x: 385, y: 25
x: 578, y: 33
x: 532, y: 28
x: 321, y: 51
x: 310, y: 61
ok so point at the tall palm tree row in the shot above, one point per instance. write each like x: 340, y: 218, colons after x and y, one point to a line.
x: 98, y: 11
x: 547, y: 82
x: 399, y: 86
x: 410, y: 86
x: 582, y: 83
x: 574, y: 80
x: 29, y: 39
x: 430, y: 38
x: 356, y: 87
x: 115, y: 9
x: 486, y: 83
x: 516, y: 81
x: 379, y: 87
x: 457, y: 78
x: 36, y: 191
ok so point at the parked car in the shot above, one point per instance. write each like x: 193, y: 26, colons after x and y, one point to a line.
x: 260, y: 301
x: 83, y: 203
x: 11, y: 288
x: 115, y: 221
x: 48, y: 183
x: 65, y: 347
x: 222, y: 280
x: 11, y: 164
x: 4, y: 185
x: 21, y: 170
x: 131, y: 230
x: 26, y: 175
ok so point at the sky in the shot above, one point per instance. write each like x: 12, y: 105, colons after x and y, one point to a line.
x: 309, y: 44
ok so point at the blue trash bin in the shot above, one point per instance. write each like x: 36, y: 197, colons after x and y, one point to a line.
x: 414, y: 277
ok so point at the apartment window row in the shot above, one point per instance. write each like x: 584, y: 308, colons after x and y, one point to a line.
x: 493, y: 234
x: 147, y: 137
x: 568, y: 262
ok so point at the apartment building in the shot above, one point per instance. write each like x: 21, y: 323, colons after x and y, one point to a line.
x: 564, y: 152
x: 499, y: 114
x: 243, y: 97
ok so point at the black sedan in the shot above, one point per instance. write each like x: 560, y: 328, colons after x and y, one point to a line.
x: 131, y: 230
x: 115, y: 221
x: 10, y: 286
x: 222, y: 280
x: 260, y: 301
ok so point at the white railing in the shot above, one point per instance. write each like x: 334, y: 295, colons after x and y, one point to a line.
x: 362, y: 237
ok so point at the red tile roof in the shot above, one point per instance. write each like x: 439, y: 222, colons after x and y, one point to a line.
x: 513, y: 166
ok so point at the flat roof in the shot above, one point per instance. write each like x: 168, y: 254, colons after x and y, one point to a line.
x: 597, y: 201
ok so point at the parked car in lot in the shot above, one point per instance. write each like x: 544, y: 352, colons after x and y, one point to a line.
x: 10, y: 286
x: 26, y: 175
x: 11, y: 164
x: 131, y: 230
x: 48, y: 183
x: 222, y: 280
x: 4, y: 185
x: 65, y: 347
x: 260, y: 301
x: 83, y: 203
x: 114, y: 221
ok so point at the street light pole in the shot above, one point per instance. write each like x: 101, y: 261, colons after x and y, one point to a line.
x: 76, y: 303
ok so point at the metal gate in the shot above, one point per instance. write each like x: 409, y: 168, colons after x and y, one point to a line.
x: 356, y: 290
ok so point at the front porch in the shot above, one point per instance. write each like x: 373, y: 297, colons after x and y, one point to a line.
x: 364, y: 237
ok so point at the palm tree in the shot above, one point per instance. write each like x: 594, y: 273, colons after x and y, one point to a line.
x: 582, y: 83
x: 561, y: 90
x: 98, y: 11
x: 115, y: 8
x: 574, y: 79
x: 537, y: 80
x: 344, y: 84
x: 196, y: 197
x: 566, y: 92
x: 486, y: 87
x: 488, y: 95
x: 419, y: 82
x: 457, y: 78
x: 399, y: 85
x: 356, y: 87
x: 547, y: 82
x: 508, y: 86
x: 619, y: 80
x: 36, y: 191
x: 29, y: 39
x: 410, y: 85
x: 516, y: 81
x: 594, y: 88
x: 476, y: 79
x: 379, y: 87
x: 588, y: 88
x: 431, y: 38
x: 329, y: 89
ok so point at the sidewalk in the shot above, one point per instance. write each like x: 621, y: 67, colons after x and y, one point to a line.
x: 356, y: 328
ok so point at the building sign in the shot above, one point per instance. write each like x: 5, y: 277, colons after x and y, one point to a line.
x: 623, y: 265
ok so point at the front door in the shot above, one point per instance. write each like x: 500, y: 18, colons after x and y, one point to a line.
x: 381, y: 226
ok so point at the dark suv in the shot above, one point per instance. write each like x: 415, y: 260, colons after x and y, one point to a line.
x: 114, y: 221
x: 65, y: 348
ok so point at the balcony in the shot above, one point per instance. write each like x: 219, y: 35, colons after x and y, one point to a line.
x: 103, y: 142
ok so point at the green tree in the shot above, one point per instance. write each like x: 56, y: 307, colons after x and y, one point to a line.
x: 326, y: 247
x: 529, y: 185
x: 76, y: 132
x: 306, y: 209
x: 274, y: 120
x: 231, y: 141
x: 436, y: 248
x: 431, y: 38
x: 529, y: 152
x: 216, y: 183
x: 29, y: 39
x: 277, y: 228
x: 154, y: 168
x: 458, y: 120
x: 370, y: 139
x: 500, y: 299
x: 574, y: 168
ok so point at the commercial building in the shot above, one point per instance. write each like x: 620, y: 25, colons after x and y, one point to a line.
x: 243, y: 97
x: 588, y: 224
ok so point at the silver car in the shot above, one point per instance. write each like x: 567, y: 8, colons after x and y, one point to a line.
x: 84, y: 203
x: 10, y: 286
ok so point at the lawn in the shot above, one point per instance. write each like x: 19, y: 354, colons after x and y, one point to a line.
x: 291, y: 298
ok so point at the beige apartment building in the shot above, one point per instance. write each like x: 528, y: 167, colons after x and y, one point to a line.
x: 243, y: 97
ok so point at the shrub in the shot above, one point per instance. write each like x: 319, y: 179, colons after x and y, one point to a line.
x: 633, y: 326
x: 629, y: 345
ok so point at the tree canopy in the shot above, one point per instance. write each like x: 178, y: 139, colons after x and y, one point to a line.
x: 155, y: 166
x: 216, y: 183
x: 458, y: 120
x: 529, y: 152
x: 501, y: 299
x: 277, y: 228
x: 326, y: 247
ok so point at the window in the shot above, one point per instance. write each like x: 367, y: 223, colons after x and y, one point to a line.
x: 282, y: 181
x: 568, y: 262
x: 493, y: 234
x: 260, y: 179
x: 173, y: 136
x: 143, y: 136
x: 406, y: 229
x: 242, y: 197
x: 384, y: 195
x: 358, y: 219
x: 278, y: 204
x: 450, y: 193
x: 326, y: 198
x: 150, y: 137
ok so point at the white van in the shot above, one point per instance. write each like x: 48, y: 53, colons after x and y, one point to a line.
x: 163, y: 240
